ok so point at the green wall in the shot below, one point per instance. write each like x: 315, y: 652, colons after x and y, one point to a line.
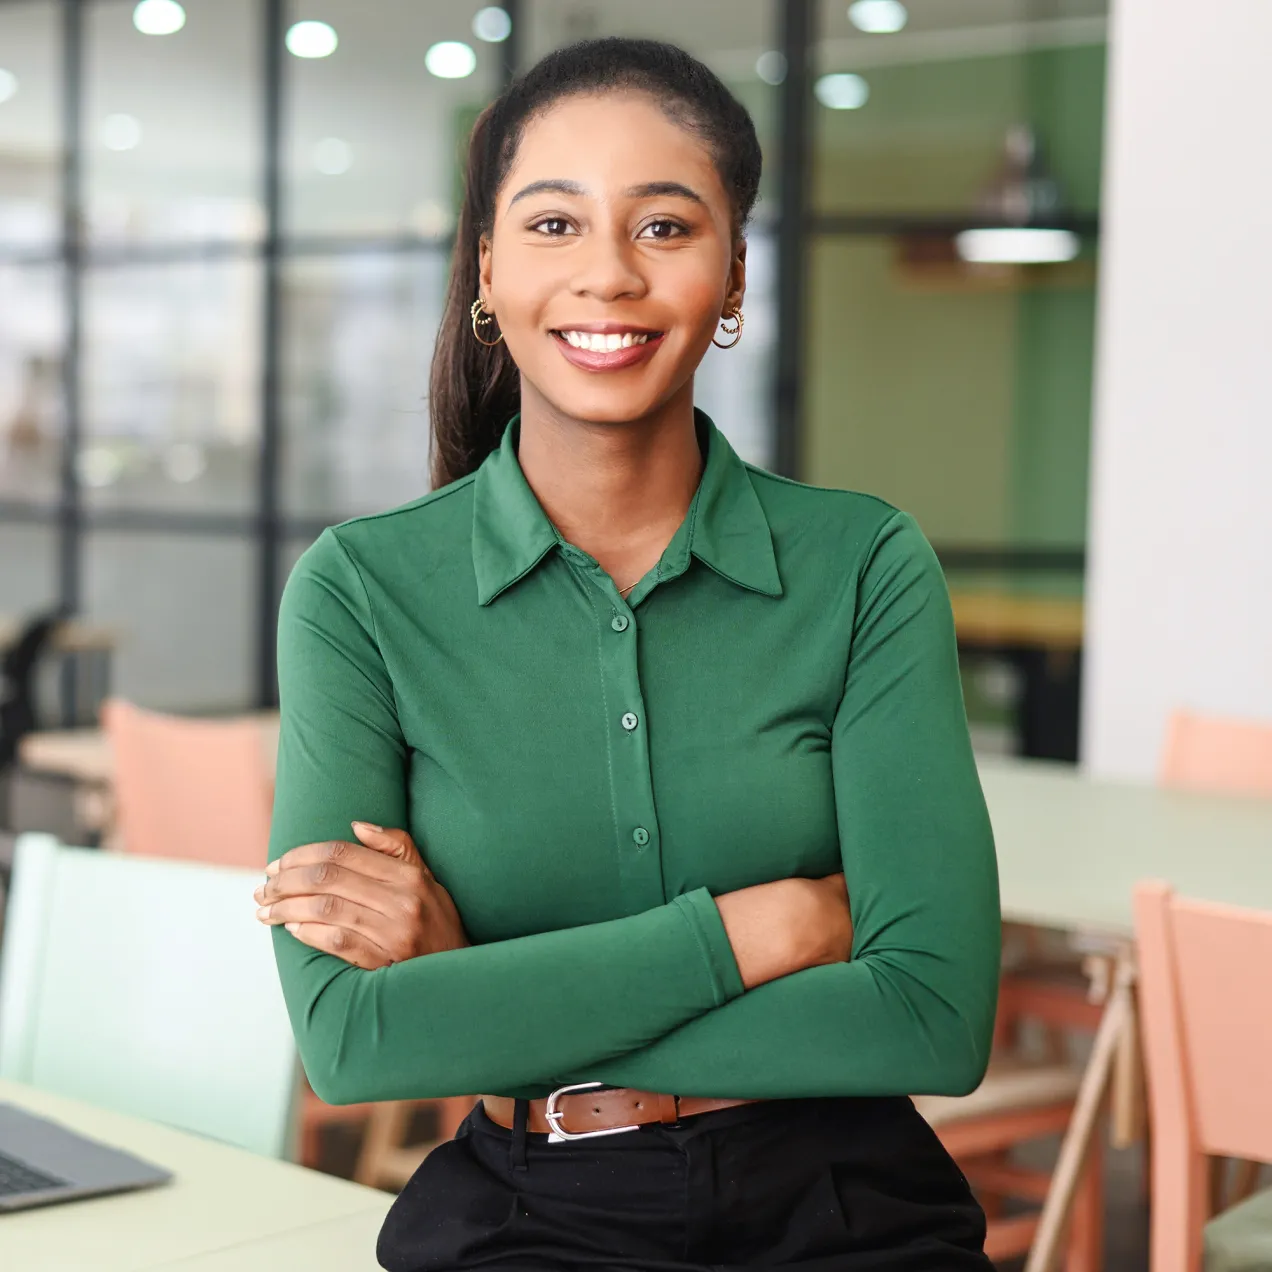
x: 970, y: 408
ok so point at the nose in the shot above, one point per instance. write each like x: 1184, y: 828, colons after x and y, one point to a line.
x: 607, y: 267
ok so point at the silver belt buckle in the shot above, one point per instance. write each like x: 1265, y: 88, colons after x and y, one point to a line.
x: 558, y: 1134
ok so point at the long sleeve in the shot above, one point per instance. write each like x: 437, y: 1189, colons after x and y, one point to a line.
x: 502, y: 1017
x: 912, y: 1012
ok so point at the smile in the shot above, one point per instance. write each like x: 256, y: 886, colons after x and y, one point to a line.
x: 602, y: 342
x: 611, y: 350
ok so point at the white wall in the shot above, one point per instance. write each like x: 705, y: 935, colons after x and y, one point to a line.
x: 1180, y: 580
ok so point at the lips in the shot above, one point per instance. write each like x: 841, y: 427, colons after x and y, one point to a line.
x: 641, y: 345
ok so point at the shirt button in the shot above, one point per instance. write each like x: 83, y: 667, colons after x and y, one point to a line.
x: 629, y: 721
x: 619, y: 622
x: 640, y: 836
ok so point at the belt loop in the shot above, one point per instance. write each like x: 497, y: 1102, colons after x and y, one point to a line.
x: 517, y: 1150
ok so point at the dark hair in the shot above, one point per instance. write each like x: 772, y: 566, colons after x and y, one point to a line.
x: 474, y: 390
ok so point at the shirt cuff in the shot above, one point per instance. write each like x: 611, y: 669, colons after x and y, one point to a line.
x: 707, y: 926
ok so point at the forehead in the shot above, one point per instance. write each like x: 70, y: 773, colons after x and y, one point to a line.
x: 605, y: 141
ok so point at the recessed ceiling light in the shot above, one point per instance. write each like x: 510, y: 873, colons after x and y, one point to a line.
x: 121, y: 132
x: 184, y: 462
x: 311, y: 39
x: 1017, y: 246
x: 333, y: 156
x: 492, y: 24
x: 451, y: 59
x: 841, y: 91
x: 158, y: 17
x: 878, y: 17
x: 771, y: 66
x: 8, y: 84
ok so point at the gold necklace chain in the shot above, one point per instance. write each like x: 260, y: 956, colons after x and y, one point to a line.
x: 622, y: 591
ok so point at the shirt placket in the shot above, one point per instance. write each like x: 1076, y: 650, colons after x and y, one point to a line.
x: 627, y: 739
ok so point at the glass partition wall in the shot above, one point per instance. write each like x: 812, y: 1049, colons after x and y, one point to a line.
x: 224, y: 237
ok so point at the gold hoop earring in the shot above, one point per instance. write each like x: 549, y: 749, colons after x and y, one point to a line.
x: 481, y: 318
x: 735, y: 331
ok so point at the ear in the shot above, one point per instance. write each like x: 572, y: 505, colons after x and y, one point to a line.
x: 485, y: 268
x: 736, y: 289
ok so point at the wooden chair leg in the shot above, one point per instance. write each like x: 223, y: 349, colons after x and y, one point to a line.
x: 310, y: 1144
x: 1244, y: 1182
x: 385, y: 1130
x: 451, y: 1113
x: 1086, y: 1228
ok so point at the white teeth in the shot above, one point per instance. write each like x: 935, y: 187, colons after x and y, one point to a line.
x: 598, y: 343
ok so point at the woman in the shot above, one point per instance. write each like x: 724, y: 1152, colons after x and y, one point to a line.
x: 642, y: 708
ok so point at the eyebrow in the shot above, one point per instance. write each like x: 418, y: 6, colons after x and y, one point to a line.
x: 650, y: 190
x: 552, y: 185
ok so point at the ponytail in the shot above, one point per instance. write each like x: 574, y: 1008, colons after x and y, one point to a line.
x: 475, y: 389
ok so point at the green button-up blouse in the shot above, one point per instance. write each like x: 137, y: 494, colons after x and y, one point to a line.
x: 778, y: 697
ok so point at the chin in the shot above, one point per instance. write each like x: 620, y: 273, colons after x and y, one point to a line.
x: 608, y: 404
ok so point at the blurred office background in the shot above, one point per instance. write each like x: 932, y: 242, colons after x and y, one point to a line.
x: 224, y: 236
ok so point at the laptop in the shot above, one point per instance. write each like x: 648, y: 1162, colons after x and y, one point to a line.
x: 42, y: 1163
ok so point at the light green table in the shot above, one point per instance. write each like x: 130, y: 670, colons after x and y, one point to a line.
x: 226, y: 1210
x: 1071, y: 848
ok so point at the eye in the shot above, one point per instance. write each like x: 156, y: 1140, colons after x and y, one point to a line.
x: 663, y: 230
x: 552, y: 226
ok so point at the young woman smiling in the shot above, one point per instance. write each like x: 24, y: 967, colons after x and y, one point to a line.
x: 630, y: 711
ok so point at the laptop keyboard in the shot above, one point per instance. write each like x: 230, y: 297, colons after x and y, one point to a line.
x: 16, y: 1177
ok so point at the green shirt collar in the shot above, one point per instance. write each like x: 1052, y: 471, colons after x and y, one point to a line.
x: 725, y: 526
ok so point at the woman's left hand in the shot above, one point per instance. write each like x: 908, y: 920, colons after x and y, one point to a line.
x: 370, y: 903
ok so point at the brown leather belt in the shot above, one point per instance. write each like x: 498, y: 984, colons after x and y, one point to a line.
x: 582, y: 1111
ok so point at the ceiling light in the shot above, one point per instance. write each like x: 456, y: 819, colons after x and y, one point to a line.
x: 841, y: 91
x: 184, y: 462
x: 121, y: 132
x: 333, y: 156
x: 311, y: 39
x: 1017, y: 245
x: 158, y: 17
x: 771, y: 66
x: 451, y: 59
x: 492, y: 24
x: 99, y: 466
x: 878, y: 17
x: 8, y: 84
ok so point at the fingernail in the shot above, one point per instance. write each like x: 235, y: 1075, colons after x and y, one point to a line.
x: 272, y: 868
x: 263, y: 912
x: 370, y: 826
x: 291, y: 927
x: 259, y: 895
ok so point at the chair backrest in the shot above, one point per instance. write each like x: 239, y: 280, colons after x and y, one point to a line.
x: 147, y: 987
x: 1205, y: 990
x: 18, y: 666
x: 1215, y: 754
x: 195, y: 789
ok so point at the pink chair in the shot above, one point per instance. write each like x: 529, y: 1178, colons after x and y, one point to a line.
x: 1209, y: 753
x: 198, y: 789
x: 1205, y: 993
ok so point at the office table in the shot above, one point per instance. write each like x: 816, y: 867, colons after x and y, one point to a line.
x: 1041, y: 637
x: 226, y: 1211
x: 83, y: 757
x: 1072, y: 847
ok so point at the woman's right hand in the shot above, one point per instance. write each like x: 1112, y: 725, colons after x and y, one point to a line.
x: 785, y: 926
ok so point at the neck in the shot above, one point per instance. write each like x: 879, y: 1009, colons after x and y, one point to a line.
x: 619, y: 491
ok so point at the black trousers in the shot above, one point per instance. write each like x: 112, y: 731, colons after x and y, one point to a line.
x: 820, y: 1185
